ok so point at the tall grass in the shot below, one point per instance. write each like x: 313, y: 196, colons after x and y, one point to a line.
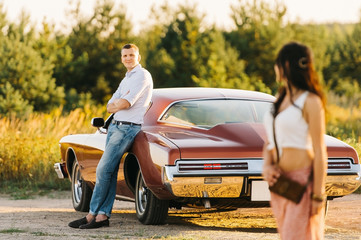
x: 344, y: 124
x: 29, y: 147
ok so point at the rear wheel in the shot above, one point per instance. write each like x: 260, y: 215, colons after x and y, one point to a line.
x: 150, y: 210
x: 80, y: 191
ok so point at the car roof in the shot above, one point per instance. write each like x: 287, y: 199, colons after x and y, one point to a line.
x: 175, y: 94
x: 163, y: 97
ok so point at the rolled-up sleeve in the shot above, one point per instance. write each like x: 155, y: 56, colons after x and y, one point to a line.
x: 141, y: 80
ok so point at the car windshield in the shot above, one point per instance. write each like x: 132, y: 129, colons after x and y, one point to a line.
x: 209, y: 113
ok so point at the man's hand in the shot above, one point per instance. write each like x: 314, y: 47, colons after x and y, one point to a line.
x: 117, y: 105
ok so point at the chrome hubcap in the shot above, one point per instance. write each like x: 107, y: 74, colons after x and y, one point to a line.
x: 78, y: 182
x: 142, y: 196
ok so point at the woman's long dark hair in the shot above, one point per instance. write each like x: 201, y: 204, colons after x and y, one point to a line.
x: 296, y: 62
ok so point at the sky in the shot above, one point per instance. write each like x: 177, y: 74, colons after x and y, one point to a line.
x: 217, y: 11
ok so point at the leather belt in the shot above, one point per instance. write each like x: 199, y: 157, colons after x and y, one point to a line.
x: 124, y: 123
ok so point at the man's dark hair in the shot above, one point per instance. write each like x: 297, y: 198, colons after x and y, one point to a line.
x: 129, y: 46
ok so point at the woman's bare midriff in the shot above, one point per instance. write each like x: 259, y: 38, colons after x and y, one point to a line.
x: 295, y: 159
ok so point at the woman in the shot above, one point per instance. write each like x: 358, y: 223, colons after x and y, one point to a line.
x: 299, y: 113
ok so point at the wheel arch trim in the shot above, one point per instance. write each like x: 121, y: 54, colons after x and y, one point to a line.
x: 69, y: 160
x: 130, y: 170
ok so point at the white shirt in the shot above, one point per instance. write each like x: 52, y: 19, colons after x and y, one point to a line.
x: 291, y: 127
x: 136, y: 87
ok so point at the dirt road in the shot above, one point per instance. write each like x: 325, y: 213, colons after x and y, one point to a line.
x: 47, y: 218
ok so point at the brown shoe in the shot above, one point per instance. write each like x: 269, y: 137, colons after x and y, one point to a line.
x: 94, y: 224
x: 78, y: 223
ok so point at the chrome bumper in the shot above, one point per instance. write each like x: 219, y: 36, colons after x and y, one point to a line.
x: 230, y: 184
x: 231, y: 187
x: 215, y: 181
x: 58, y: 170
x: 341, y: 185
x: 206, y: 187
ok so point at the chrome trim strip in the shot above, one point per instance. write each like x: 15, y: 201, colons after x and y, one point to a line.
x: 58, y: 170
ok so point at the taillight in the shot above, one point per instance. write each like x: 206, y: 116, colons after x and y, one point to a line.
x: 212, y: 166
x: 339, y: 165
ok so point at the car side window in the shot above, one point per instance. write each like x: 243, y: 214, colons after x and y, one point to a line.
x: 177, y: 114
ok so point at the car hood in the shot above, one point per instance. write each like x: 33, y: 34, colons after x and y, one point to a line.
x: 234, y: 140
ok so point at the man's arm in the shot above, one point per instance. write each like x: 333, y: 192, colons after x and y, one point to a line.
x: 117, y: 105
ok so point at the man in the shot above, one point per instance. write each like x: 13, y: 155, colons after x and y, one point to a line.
x: 129, y: 104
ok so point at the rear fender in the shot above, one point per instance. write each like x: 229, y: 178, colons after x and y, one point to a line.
x: 149, y: 154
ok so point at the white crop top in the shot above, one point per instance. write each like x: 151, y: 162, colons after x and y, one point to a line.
x: 291, y: 128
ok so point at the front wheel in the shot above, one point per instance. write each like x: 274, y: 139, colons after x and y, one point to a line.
x: 150, y: 210
x: 81, y: 193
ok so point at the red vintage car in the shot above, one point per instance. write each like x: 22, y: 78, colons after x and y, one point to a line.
x: 198, y: 147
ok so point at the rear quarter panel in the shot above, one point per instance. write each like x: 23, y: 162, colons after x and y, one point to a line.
x: 153, y: 152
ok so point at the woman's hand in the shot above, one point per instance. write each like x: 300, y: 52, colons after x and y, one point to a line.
x: 317, y: 207
x: 271, y: 173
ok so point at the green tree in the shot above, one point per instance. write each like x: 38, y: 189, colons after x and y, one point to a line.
x: 95, y: 45
x: 337, y: 37
x: 345, y: 57
x: 26, y: 80
x: 219, y: 66
x: 29, y: 75
x: 188, y: 54
x: 342, y: 74
x: 352, y: 56
x: 180, y: 44
x: 155, y: 58
x: 260, y: 32
x: 350, y: 89
x: 12, y: 102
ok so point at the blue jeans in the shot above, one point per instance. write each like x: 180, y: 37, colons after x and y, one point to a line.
x: 119, y: 140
